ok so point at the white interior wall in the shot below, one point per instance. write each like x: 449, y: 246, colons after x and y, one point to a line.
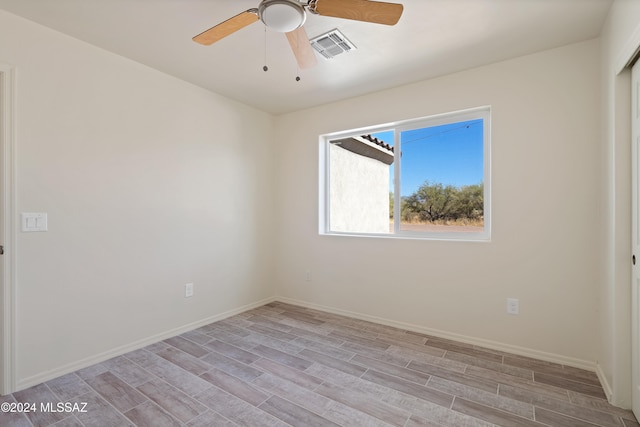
x: 109, y: 272
x: 620, y: 31
x: 546, y: 169
x: 149, y: 183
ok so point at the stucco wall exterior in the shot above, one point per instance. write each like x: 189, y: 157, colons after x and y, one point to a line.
x: 359, y: 192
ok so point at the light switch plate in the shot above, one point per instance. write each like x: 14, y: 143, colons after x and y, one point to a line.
x: 34, y: 221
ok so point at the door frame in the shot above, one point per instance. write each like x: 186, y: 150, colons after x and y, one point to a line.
x: 628, y: 56
x: 7, y: 224
x: 635, y: 241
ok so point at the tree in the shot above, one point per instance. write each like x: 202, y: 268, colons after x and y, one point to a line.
x: 438, y: 202
x: 391, y: 205
x: 435, y: 201
x: 470, y: 201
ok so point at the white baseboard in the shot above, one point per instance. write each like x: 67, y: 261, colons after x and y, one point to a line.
x: 118, y: 351
x: 608, y: 390
x: 494, y: 345
x: 521, y: 351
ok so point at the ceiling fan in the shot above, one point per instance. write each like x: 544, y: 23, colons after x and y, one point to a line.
x: 288, y: 16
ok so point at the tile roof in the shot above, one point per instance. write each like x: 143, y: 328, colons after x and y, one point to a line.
x: 378, y: 142
x: 368, y: 146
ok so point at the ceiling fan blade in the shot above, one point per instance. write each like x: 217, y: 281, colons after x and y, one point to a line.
x: 227, y: 27
x: 301, y: 47
x: 361, y: 10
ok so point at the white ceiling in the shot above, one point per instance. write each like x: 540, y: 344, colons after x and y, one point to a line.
x: 433, y: 37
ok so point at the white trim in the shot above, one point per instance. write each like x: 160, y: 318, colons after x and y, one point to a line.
x: 617, y: 392
x: 608, y: 391
x: 629, y: 51
x: 118, y: 351
x: 493, y: 345
x: 323, y: 186
x: 521, y: 351
x: 7, y: 310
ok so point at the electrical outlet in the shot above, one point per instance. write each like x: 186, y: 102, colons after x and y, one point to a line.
x: 188, y: 290
x: 513, y: 306
x: 307, y: 275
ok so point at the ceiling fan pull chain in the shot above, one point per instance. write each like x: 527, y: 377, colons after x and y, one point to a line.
x: 265, y: 68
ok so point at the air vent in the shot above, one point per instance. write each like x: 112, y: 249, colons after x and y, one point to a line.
x: 332, y: 44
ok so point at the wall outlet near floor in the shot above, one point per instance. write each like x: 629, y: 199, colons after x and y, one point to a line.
x: 513, y: 306
x: 188, y: 290
x: 307, y: 275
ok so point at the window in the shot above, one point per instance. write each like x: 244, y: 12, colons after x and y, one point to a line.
x: 423, y: 178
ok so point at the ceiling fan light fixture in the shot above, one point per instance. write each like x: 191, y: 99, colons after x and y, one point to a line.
x: 282, y: 15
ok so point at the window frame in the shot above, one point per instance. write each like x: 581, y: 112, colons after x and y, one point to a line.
x: 398, y: 127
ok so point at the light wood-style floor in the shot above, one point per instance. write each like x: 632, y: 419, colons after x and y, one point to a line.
x: 281, y: 365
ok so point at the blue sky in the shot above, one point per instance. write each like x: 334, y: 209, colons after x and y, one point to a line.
x: 450, y: 154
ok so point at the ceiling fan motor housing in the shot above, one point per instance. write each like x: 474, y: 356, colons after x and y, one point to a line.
x: 282, y: 15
